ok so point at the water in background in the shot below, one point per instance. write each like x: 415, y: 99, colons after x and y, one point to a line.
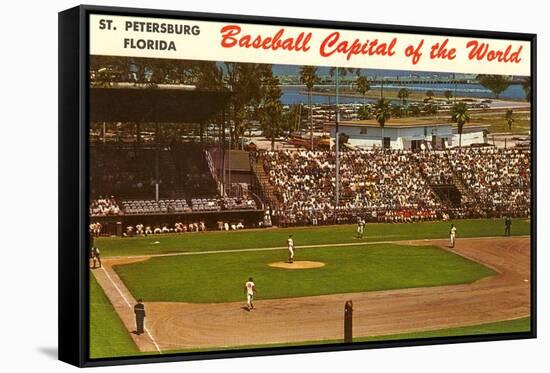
x: 292, y: 95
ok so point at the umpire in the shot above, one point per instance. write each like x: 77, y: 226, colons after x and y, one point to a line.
x: 507, y: 225
x: 139, y: 310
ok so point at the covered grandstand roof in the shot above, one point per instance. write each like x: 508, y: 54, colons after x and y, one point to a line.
x: 155, y: 105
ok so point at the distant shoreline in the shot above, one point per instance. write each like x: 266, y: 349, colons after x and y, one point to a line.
x: 414, y: 96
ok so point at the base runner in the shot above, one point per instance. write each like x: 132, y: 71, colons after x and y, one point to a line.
x: 290, y: 244
x: 250, y: 289
x: 452, y: 234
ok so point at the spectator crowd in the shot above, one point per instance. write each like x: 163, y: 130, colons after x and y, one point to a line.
x: 104, y: 207
x: 500, y: 179
x: 395, y: 185
x: 380, y: 185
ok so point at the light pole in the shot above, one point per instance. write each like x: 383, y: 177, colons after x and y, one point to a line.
x: 337, y: 134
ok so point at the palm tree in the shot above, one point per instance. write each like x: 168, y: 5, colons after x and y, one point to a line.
x: 460, y: 116
x: 448, y: 95
x: 308, y: 76
x: 364, y: 112
x: 403, y: 94
x: 509, y: 118
x: 245, y: 80
x: 272, y: 107
x: 526, y: 85
x: 363, y: 87
x: 430, y: 108
x: 495, y: 83
x: 430, y: 94
x: 383, y: 114
x: 343, y: 71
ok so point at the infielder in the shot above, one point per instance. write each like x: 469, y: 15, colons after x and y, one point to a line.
x: 250, y: 289
x: 360, y: 227
x: 290, y: 244
x: 452, y: 233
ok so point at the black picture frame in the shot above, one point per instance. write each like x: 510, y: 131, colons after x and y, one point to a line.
x: 74, y: 189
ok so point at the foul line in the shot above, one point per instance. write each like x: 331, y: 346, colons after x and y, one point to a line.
x: 130, y: 306
x: 146, y: 256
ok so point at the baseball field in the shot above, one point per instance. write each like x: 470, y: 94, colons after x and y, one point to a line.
x: 403, y: 279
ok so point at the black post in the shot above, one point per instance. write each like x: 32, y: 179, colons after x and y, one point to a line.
x: 348, y: 322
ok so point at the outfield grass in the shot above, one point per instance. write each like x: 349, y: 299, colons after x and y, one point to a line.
x: 223, y: 240
x: 220, y: 278
x: 108, y: 335
x: 508, y: 326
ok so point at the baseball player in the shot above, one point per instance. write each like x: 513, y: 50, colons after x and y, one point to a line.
x: 452, y: 233
x: 97, y: 256
x: 250, y: 289
x: 290, y: 244
x: 507, y: 225
x: 360, y: 227
x: 92, y: 257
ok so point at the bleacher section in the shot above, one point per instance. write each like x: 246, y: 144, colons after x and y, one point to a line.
x: 467, y: 182
x: 299, y: 186
x: 137, y: 207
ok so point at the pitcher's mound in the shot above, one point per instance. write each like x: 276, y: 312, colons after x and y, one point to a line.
x: 301, y: 264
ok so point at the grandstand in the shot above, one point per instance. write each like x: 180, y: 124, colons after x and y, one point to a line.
x: 174, y: 176
x: 299, y: 185
x: 399, y: 185
x: 152, y: 167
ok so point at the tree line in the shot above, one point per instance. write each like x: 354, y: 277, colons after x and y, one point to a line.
x: 256, y: 93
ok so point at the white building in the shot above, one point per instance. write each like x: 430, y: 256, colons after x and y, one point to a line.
x: 409, y: 133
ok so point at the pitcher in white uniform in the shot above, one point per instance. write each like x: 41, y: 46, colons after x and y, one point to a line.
x: 250, y: 289
x: 290, y: 244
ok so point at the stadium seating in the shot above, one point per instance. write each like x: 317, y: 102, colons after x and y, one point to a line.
x: 398, y: 185
x: 205, y: 204
x: 142, y: 207
x: 380, y: 184
x: 104, y: 207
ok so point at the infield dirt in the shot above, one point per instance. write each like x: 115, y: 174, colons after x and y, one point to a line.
x: 174, y: 326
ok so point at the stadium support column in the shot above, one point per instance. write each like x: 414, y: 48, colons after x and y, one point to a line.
x: 223, y: 151
x: 228, y: 189
x: 157, y: 154
x: 337, y: 142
